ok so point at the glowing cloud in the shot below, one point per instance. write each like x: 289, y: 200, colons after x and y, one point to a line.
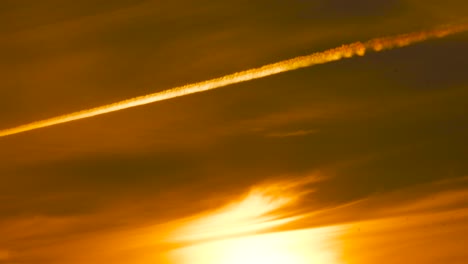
x: 260, y: 209
x: 345, y: 51
x: 230, y: 235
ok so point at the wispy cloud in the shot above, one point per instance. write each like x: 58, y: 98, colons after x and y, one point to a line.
x: 296, y: 133
x: 262, y: 208
x: 257, y: 218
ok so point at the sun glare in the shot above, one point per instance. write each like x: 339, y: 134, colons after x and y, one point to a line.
x: 230, y: 235
x: 262, y: 208
x: 306, y: 246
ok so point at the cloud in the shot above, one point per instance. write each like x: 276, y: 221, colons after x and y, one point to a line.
x: 292, y: 133
x: 257, y: 211
x: 433, y: 198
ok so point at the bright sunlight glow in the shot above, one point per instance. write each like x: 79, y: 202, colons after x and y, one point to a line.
x: 306, y: 246
x: 237, y: 233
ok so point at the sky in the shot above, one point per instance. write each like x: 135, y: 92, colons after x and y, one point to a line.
x: 354, y: 161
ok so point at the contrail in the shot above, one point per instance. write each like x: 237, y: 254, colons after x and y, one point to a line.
x: 345, y: 51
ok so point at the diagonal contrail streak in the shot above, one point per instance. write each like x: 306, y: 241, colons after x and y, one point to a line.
x: 345, y: 51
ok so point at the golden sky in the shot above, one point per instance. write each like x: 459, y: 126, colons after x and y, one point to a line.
x: 361, y: 160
